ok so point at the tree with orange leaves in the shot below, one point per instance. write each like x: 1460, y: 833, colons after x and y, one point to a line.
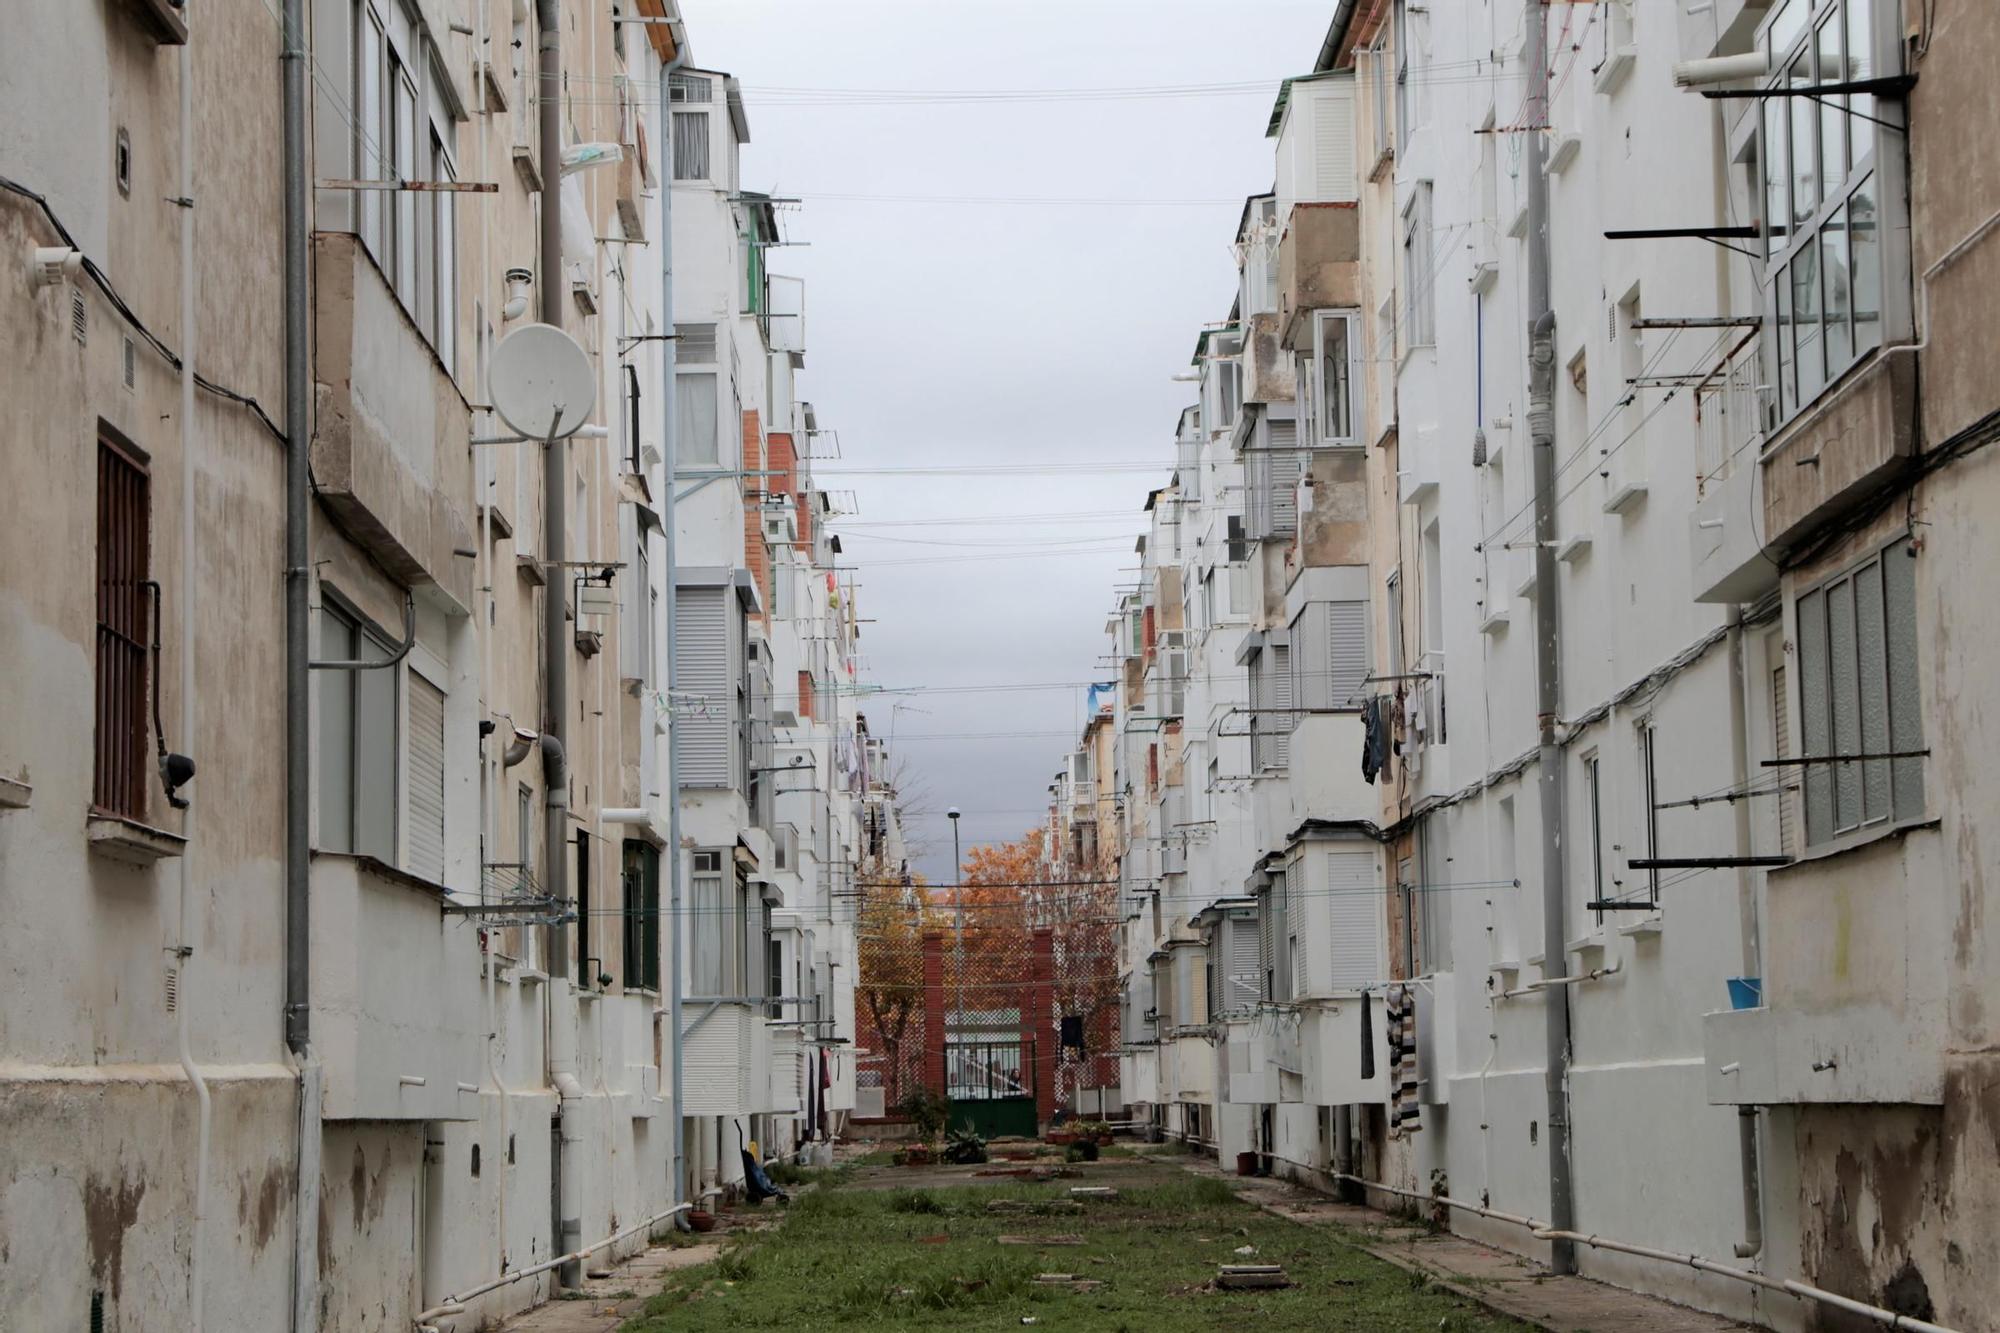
x: 890, y: 925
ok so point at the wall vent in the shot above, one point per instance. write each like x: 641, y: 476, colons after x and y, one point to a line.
x: 131, y: 362
x: 79, y: 319
x: 173, y: 993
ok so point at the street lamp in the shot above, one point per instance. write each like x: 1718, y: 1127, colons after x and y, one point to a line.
x: 958, y: 910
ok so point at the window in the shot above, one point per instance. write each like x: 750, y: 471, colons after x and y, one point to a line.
x: 404, y: 129
x: 1379, y: 77
x: 580, y: 897
x: 1329, y: 653
x: 1823, y: 280
x: 1404, y: 121
x: 642, y: 915
x: 1394, y: 594
x: 1272, y: 468
x: 1336, y: 376
x: 524, y: 859
x: 358, y: 796
x: 1419, y: 279
x: 1272, y: 915
x: 697, y: 429
x: 1354, y: 911
x: 1781, y: 748
x: 690, y: 145
x: 1271, y: 694
x: 125, y: 608
x: 425, y: 767
x: 1649, y: 783
x: 1858, y: 694
x: 711, y: 920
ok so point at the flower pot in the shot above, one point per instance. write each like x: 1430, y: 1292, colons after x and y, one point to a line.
x: 698, y: 1220
x: 916, y: 1157
x: 1106, y: 1139
x: 1061, y: 1137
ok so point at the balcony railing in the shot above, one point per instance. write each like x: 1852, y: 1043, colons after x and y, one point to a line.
x: 1728, y: 414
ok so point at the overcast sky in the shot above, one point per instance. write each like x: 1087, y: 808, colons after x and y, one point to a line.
x: 944, y: 333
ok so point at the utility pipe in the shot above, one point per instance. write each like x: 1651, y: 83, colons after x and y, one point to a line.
x: 189, y: 584
x: 298, y: 699
x: 555, y: 503
x: 1748, y: 1166
x: 669, y: 430
x: 456, y: 1304
x: 1549, y: 983
x: 1802, y: 1290
x: 1548, y: 633
x: 488, y: 474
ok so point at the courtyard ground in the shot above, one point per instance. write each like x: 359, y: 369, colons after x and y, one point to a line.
x: 890, y: 1248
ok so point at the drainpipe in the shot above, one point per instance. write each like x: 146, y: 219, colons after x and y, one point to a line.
x: 187, y: 672
x: 298, y: 703
x: 1746, y: 888
x: 1548, y: 643
x: 669, y: 428
x: 555, y: 504
x: 555, y: 647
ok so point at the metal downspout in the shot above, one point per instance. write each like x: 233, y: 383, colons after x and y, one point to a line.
x: 669, y: 425
x: 189, y: 581
x: 1548, y: 641
x: 1752, y: 1243
x: 555, y: 607
x: 298, y: 701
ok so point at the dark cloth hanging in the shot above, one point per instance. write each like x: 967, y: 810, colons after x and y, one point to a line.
x: 1375, y: 743
x: 825, y: 1085
x: 1367, y: 1037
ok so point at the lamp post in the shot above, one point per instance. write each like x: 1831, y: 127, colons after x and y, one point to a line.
x: 958, y: 911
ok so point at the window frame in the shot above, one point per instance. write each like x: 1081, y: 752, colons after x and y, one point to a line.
x: 1419, y: 323
x: 1322, y: 401
x: 124, y: 678
x: 1906, y: 795
x: 1797, y: 245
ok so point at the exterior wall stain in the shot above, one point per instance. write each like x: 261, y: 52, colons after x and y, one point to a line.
x: 261, y: 1206
x: 109, y: 1210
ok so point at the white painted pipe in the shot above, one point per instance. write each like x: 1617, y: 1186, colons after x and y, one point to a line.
x: 1791, y: 1286
x: 451, y: 1305
x: 1721, y: 69
x: 182, y: 1021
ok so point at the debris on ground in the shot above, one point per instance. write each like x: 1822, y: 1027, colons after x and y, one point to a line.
x: 1041, y: 1240
x: 1007, y: 1206
x: 1248, y: 1277
x: 1092, y: 1192
x: 1246, y: 1249
x: 941, y: 1238
x: 1069, y: 1280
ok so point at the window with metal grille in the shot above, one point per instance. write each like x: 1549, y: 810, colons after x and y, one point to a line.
x: 125, y: 606
x: 1649, y: 780
x: 642, y: 915
x: 1858, y: 695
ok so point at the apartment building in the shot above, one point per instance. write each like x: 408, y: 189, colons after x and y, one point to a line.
x: 381, y: 918
x: 1734, y: 897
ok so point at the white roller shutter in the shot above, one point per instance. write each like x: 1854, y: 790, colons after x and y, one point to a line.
x: 1357, y: 904
x: 1240, y: 986
x: 426, y: 780
x: 1347, y: 653
x: 707, y: 694
x: 1333, y: 172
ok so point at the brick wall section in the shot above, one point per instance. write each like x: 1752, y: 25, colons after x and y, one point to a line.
x: 1047, y: 1026
x: 805, y: 696
x: 756, y: 558
x: 934, y: 1012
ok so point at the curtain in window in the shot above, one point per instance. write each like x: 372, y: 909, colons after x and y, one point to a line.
x: 690, y: 145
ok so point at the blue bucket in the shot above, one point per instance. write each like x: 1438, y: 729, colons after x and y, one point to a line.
x: 1746, y: 992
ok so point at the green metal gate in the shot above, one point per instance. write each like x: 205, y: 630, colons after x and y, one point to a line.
x: 991, y: 1086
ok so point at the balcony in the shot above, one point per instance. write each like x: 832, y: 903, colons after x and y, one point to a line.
x: 1249, y: 1072
x: 788, y: 1070
x: 1842, y: 449
x: 1330, y: 1039
x: 1725, y: 545
x: 726, y: 1060
x: 1332, y: 789
x: 1318, y: 265
x: 1193, y: 1063
x: 389, y: 456
x: 395, y: 995
x: 1855, y: 1008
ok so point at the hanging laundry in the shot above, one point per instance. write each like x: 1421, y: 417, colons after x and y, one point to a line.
x: 1367, y: 1036
x: 1371, y: 722
x: 1399, y: 1012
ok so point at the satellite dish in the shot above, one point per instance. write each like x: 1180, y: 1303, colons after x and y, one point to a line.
x: 541, y: 382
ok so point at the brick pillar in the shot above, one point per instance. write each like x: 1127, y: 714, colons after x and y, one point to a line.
x: 1047, y: 1028
x: 1031, y: 1041
x: 934, y: 1012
